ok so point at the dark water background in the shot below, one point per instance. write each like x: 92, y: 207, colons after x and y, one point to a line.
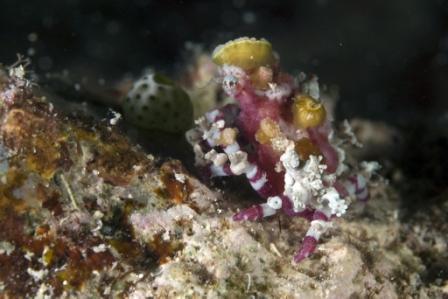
x: 390, y: 58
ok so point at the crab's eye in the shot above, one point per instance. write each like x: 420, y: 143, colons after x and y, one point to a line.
x: 230, y: 84
x: 230, y: 81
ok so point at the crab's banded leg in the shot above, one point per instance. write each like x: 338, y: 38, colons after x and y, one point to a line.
x: 318, y: 226
x: 247, y: 166
x: 244, y: 163
x: 260, y: 211
x: 259, y: 181
x: 340, y: 187
x: 288, y: 209
x: 356, y: 185
x: 207, y: 143
x: 270, y: 208
x: 254, y: 213
x: 228, y: 113
x: 211, y: 170
x: 211, y: 125
x: 224, y: 169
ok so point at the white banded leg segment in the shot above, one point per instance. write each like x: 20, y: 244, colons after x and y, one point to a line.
x: 267, y: 210
x: 259, y: 183
x: 231, y: 149
x: 219, y: 170
x: 271, y: 206
x: 357, y: 186
x: 363, y: 195
x: 212, y: 116
x: 317, y: 228
x: 256, y: 176
x: 350, y: 187
x: 255, y: 213
x: 252, y: 171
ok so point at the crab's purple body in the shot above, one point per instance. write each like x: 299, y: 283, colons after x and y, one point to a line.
x: 297, y: 170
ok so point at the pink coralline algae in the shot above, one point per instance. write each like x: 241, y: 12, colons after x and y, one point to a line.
x: 278, y: 134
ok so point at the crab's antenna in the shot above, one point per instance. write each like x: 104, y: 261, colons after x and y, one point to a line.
x: 21, y: 60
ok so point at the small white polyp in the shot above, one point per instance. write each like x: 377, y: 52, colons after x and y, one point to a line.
x: 231, y: 149
x: 274, y: 202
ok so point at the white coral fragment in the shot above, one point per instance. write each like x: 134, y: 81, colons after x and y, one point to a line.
x: 6, y: 247
x: 37, y: 275
x: 99, y: 248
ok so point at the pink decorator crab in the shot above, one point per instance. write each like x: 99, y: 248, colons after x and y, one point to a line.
x: 279, y: 136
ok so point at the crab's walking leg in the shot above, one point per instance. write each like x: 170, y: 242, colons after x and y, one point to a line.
x: 259, y: 182
x: 289, y: 210
x: 318, y: 226
x: 258, y: 179
x: 239, y: 162
x: 260, y: 211
x: 219, y: 156
x: 355, y: 185
x: 272, y: 205
x: 212, y: 170
x: 205, y: 138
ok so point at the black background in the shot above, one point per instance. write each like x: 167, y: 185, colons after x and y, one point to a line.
x: 389, y: 58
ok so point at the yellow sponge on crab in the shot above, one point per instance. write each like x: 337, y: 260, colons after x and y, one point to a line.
x: 246, y: 53
x: 308, y: 112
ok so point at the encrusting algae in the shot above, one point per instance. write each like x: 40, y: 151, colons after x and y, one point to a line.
x: 55, y: 210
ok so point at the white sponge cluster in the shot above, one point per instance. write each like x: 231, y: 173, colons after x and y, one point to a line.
x: 306, y: 184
